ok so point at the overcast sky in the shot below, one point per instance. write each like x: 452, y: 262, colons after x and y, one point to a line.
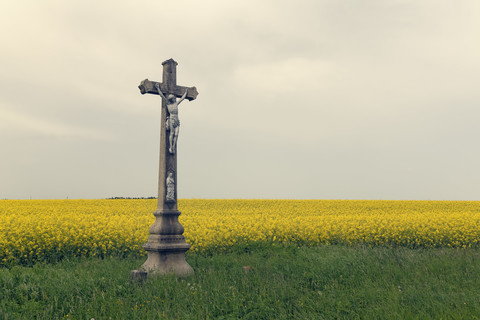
x: 321, y: 99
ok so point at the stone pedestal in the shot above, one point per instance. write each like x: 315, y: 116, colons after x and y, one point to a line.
x: 166, y: 246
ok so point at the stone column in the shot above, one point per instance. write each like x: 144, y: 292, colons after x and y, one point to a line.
x: 166, y: 245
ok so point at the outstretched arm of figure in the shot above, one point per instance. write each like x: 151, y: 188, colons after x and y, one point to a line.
x: 183, y: 97
x: 157, y: 85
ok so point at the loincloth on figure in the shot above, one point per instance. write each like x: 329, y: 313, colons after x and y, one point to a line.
x: 172, y: 121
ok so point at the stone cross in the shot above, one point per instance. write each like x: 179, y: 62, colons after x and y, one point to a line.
x: 166, y: 244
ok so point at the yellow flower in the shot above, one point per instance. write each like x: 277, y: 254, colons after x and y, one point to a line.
x: 49, y: 229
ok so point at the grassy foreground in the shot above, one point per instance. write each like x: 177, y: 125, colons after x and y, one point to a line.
x: 325, y: 282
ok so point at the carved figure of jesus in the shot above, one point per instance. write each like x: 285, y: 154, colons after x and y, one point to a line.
x: 173, y: 123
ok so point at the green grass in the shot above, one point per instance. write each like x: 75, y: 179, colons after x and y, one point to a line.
x: 327, y: 282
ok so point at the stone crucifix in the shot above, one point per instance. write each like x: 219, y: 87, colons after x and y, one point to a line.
x: 166, y: 244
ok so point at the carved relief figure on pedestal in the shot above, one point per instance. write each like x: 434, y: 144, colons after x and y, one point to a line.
x: 173, y: 122
x: 170, y: 184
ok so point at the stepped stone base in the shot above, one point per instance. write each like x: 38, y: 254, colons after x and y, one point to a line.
x: 162, y: 263
x: 165, y: 247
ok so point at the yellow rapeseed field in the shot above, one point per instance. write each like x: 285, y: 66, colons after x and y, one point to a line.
x: 39, y: 230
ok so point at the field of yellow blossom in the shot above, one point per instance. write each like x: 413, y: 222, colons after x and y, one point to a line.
x: 48, y: 230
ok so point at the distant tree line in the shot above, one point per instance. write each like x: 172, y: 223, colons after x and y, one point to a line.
x: 123, y: 198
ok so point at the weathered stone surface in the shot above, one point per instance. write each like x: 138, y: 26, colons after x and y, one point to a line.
x: 138, y: 276
x: 166, y: 244
x: 167, y: 261
x: 170, y: 197
x: 147, y: 86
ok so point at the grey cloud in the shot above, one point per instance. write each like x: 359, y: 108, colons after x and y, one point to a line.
x: 306, y: 99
